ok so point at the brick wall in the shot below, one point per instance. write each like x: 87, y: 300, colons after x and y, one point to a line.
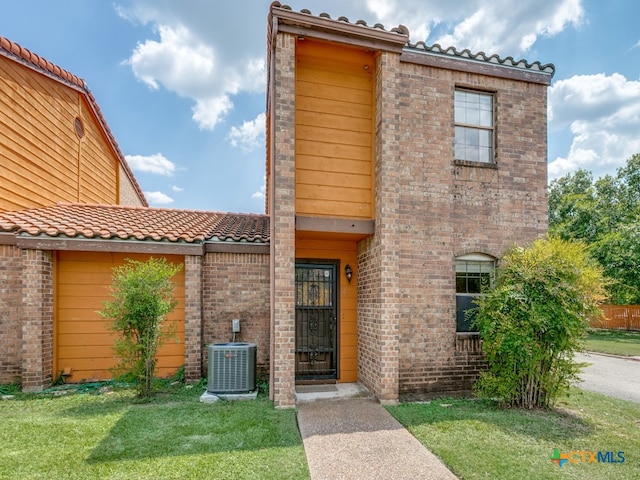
x: 236, y: 285
x: 193, y: 281
x: 378, y: 287
x: 447, y: 209
x: 282, y: 208
x: 127, y: 194
x: 37, y: 319
x: 10, y: 326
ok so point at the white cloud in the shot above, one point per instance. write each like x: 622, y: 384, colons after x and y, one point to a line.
x: 250, y: 135
x: 158, y: 198
x: 156, y: 164
x: 263, y: 190
x: 207, y: 112
x: 191, y: 56
x: 603, y: 114
x: 209, y: 52
x: 177, y: 189
x: 511, y: 28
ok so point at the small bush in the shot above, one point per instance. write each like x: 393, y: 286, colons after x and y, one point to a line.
x: 142, y: 296
x: 534, y: 319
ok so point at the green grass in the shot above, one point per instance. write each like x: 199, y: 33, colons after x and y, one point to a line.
x: 478, y: 440
x: 86, y: 435
x: 614, y: 342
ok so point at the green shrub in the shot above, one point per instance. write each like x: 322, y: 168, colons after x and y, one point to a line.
x: 142, y: 295
x: 534, y: 319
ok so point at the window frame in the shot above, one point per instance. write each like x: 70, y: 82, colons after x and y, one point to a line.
x: 464, y: 300
x: 475, y: 127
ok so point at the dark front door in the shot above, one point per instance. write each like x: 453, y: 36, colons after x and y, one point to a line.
x: 316, y: 315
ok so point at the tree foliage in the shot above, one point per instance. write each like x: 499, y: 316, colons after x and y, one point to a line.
x: 534, y: 318
x: 142, y: 295
x: 605, y: 215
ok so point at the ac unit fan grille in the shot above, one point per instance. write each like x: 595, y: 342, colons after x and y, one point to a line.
x: 231, y: 368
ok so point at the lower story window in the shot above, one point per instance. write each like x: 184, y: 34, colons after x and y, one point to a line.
x: 474, y: 272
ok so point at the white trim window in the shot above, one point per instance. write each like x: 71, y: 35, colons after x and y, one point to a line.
x: 474, y: 272
x: 474, y: 137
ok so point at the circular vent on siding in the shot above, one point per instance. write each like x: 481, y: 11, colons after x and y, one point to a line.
x: 79, y: 127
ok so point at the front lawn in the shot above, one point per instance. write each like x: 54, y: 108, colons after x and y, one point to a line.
x: 109, y: 435
x: 478, y: 440
x: 614, y: 342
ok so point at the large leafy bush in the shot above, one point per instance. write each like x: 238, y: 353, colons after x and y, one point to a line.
x: 534, y: 319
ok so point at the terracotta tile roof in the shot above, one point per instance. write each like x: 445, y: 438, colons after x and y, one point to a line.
x: 21, y: 55
x: 136, y: 223
x: 466, y: 54
x: 482, y: 57
x: 400, y: 29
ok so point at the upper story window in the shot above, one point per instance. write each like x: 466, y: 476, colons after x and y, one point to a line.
x: 474, y: 126
x: 474, y: 272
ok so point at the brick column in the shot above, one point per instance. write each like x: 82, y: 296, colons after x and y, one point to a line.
x: 282, y: 208
x: 192, y: 317
x: 37, y: 320
x: 387, y: 195
x: 10, y: 304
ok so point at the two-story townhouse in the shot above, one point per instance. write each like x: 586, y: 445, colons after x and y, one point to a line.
x: 397, y: 175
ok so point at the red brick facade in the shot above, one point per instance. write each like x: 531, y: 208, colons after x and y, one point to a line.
x: 236, y: 286
x: 448, y: 208
x: 193, y: 293
x: 10, y: 326
x: 37, y: 319
x: 283, y: 221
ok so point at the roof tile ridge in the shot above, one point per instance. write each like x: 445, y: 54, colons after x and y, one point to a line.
x: 400, y: 29
x: 158, y: 209
x: 508, y: 61
x: 40, y: 62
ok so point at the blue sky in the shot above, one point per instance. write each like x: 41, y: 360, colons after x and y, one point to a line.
x: 181, y: 83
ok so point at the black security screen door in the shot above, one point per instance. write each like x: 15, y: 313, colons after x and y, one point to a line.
x: 316, y: 314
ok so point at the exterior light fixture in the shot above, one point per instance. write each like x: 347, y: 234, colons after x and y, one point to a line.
x: 348, y: 272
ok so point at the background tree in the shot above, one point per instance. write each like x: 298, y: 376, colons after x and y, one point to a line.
x: 603, y: 214
x: 142, y: 296
x: 534, y: 319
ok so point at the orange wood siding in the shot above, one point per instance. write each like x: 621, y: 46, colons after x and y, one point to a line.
x: 334, y: 138
x: 43, y: 160
x: 83, y: 341
x: 320, y: 247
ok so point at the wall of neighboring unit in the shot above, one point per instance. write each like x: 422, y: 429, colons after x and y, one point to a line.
x: 52, y: 148
x: 83, y: 342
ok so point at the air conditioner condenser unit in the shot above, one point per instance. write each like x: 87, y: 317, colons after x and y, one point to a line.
x: 232, y: 368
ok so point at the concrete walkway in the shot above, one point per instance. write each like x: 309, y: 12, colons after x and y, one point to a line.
x: 356, y: 438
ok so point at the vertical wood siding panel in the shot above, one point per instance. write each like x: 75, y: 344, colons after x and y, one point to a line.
x: 83, y: 339
x: 39, y: 149
x: 308, y: 247
x: 333, y: 130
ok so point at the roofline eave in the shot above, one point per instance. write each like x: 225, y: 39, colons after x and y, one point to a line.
x: 324, y: 27
x: 63, y: 243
